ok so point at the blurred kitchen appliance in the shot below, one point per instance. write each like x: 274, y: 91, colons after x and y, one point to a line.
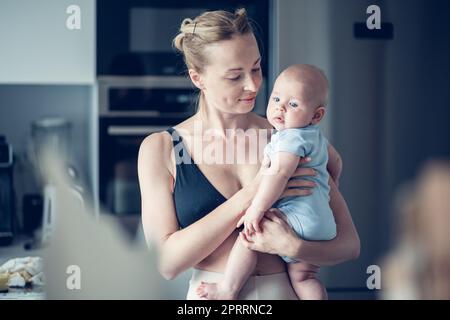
x: 7, y: 204
x: 134, y: 37
x: 51, y: 137
x: 32, y: 206
x: 131, y: 108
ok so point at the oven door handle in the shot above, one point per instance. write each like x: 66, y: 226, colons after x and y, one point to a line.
x: 134, y: 130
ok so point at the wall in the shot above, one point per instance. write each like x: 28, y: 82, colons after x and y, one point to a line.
x: 357, y: 84
x: 417, y: 99
x: 299, y: 34
x: 37, y: 47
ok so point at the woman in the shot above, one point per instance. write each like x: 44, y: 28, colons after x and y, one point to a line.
x: 190, y: 210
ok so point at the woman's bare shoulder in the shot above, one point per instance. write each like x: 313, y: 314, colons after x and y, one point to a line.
x: 162, y: 141
x: 156, y: 147
x: 155, y: 140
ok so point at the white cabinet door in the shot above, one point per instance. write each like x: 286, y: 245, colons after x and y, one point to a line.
x: 37, y: 46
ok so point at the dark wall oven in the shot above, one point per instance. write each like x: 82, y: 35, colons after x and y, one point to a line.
x: 130, y: 110
x: 134, y: 37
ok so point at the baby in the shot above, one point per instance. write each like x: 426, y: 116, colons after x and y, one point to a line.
x: 296, y: 107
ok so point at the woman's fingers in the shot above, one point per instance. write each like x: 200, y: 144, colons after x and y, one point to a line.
x: 276, y: 215
x: 304, y: 172
x: 245, y: 229
x: 304, y: 160
x: 270, y: 218
x: 247, y: 232
x: 245, y: 241
x: 295, y: 193
x: 255, y: 226
x: 248, y: 229
x: 301, y: 183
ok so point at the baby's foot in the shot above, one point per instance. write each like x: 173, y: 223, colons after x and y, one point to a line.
x: 213, y: 291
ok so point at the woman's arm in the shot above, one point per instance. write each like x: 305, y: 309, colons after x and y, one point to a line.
x: 334, y: 165
x: 180, y: 249
x: 278, y: 238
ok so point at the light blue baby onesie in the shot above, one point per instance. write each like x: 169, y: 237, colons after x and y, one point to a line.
x: 309, y: 216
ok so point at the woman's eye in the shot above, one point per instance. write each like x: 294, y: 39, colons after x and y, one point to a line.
x: 256, y: 70
x: 293, y: 104
x: 276, y: 99
x: 235, y: 78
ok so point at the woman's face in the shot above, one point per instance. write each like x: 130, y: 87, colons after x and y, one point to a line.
x: 232, y: 78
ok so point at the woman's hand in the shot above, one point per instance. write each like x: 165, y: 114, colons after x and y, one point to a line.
x: 300, y: 187
x: 277, y: 237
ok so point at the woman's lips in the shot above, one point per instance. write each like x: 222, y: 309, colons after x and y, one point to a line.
x: 248, y: 100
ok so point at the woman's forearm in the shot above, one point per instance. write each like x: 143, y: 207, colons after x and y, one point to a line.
x: 345, y: 246
x: 187, y: 247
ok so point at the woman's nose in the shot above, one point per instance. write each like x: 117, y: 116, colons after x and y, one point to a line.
x: 250, y: 84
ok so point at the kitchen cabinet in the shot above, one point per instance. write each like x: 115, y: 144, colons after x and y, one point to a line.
x: 47, y: 42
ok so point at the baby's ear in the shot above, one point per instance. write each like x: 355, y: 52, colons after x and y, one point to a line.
x: 319, y: 113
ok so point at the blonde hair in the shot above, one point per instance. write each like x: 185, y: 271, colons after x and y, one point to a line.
x: 208, y: 28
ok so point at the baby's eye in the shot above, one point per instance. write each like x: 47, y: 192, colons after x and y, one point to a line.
x: 293, y: 104
x: 276, y: 99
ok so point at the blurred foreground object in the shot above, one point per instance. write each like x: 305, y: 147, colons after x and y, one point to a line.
x: 419, y: 266
x: 91, y: 258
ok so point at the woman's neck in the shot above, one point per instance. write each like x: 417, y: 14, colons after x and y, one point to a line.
x: 220, y: 121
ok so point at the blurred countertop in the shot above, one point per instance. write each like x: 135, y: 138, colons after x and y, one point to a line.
x: 17, y: 250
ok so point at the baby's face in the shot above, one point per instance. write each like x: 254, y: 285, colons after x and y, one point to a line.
x: 291, y: 104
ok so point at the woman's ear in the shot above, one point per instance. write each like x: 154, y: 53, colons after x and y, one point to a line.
x: 196, y: 79
x: 318, y: 115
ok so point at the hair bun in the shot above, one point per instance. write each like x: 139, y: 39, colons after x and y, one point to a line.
x: 209, y: 27
x: 241, y: 12
x: 178, y: 42
x: 184, y: 29
x: 186, y: 25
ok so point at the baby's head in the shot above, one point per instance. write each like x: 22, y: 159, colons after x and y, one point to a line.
x: 298, y: 98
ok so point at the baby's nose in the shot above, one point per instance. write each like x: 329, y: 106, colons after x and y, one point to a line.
x: 281, y: 107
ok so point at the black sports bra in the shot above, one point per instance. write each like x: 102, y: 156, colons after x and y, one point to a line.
x: 193, y: 194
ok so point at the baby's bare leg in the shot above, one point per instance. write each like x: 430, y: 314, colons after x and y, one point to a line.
x: 304, y: 281
x: 240, y: 265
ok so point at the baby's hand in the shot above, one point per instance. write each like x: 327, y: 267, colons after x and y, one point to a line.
x: 251, y: 220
